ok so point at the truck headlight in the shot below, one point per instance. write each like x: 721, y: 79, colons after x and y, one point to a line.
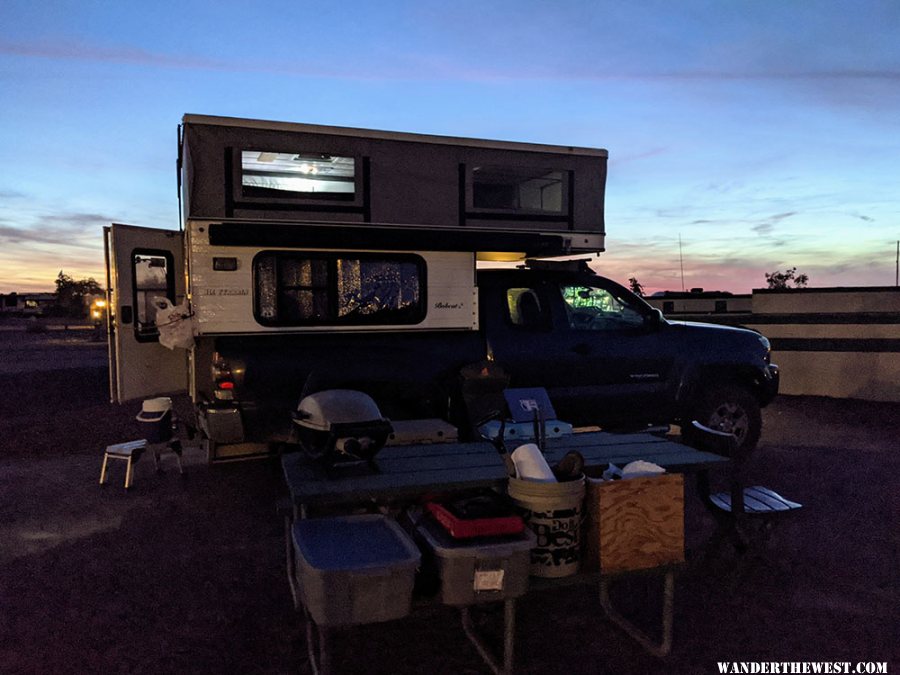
x: 764, y: 341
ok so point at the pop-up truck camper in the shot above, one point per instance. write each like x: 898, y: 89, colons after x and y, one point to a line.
x: 316, y: 257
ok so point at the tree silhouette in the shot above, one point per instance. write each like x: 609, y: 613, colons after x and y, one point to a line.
x: 783, y: 280
x: 635, y: 286
x: 70, y: 294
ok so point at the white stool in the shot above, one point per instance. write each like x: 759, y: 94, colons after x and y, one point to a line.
x: 130, y: 452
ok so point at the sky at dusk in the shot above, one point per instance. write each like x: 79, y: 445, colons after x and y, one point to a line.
x: 764, y: 134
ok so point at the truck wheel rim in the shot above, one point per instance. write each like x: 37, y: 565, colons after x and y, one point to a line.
x: 730, y: 418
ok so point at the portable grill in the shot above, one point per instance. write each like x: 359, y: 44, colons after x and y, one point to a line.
x: 341, y: 428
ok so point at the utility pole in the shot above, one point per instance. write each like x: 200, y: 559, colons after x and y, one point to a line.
x: 681, y: 262
x: 897, y: 266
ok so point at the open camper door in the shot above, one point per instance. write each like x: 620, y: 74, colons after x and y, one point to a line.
x: 141, y: 264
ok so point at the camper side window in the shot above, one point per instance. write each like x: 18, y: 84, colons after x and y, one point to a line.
x: 153, y: 277
x: 303, y: 289
x: 308, y: 175
x: 517, y: 190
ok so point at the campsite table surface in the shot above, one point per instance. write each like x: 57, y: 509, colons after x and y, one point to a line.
x: 410, y: 471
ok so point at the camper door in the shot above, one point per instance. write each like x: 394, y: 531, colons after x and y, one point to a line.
x: 142, y: 265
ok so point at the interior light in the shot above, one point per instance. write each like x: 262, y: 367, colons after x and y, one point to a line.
x: 500, y: 256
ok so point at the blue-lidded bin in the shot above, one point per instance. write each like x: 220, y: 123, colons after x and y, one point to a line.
x: 354, y: 569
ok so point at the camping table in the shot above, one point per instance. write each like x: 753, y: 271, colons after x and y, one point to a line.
x: 409, y: 473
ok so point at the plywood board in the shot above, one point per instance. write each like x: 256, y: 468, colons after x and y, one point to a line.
x: 634, y: 524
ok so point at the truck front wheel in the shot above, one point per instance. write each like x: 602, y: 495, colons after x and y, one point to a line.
x: 730, y: 408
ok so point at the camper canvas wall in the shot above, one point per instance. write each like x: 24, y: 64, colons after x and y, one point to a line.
x: 479, y: 195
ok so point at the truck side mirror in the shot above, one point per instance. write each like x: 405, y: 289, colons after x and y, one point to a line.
x: 654, y: 320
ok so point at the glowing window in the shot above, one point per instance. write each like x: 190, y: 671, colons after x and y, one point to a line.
x: 153, y: 278
x: 296, y: 289
x: 305, y: 175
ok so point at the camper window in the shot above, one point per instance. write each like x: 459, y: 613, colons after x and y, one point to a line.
x: 301, y: 289
x: 307, y: 175
x: 519, y: 190
x: 153, y: 276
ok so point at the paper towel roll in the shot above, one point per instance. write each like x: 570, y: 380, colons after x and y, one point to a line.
x: 531, y: 465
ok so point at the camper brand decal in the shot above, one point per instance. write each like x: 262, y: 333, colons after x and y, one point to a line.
x: 226, y: 291
x: 447, y: 305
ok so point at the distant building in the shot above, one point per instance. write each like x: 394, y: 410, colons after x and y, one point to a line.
x: 25, y: 304
x: 697, y: 301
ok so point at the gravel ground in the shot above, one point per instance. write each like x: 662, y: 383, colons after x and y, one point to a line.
x: 185, y: 574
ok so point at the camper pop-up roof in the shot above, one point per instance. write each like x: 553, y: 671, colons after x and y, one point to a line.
x: 395, y: 191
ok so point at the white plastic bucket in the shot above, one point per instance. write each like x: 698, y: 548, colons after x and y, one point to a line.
x: 553, y: 511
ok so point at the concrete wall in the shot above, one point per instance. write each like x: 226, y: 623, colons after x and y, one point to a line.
x: 837, y: 342
x: 877, y: 300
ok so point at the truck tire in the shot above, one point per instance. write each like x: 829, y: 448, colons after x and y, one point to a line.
x: 730, y: 408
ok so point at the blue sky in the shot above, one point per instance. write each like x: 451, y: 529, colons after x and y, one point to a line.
x: 765, y: 134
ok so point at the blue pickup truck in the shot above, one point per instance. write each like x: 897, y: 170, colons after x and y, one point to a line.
x: 603, y: 354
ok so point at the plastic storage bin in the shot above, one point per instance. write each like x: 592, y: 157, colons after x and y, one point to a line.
x: 476, y: 570
x: 354, y: 569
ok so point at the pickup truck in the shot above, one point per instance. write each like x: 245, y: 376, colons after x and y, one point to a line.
x: 603, y: 354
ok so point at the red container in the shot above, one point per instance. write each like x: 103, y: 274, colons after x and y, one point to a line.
x: 462, y: 523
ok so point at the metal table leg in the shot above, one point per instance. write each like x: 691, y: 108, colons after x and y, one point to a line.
x: 657, y: 649
x: 509, y: 638
x: 321, y: 663
x: 291, y: 562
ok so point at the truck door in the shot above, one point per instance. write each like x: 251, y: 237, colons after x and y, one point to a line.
x: 517, y: 320
x: 142, y: 263
x: 613, y: 361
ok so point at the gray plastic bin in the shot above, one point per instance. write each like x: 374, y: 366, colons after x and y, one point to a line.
x: 478, y: 570
x: 354, y: 569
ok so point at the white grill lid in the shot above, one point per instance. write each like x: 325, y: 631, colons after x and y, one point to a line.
x: 337, y: 406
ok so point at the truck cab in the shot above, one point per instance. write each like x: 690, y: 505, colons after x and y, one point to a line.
x: 608, y: 358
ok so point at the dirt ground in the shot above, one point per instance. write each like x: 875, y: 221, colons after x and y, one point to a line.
x: 186, y: 574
